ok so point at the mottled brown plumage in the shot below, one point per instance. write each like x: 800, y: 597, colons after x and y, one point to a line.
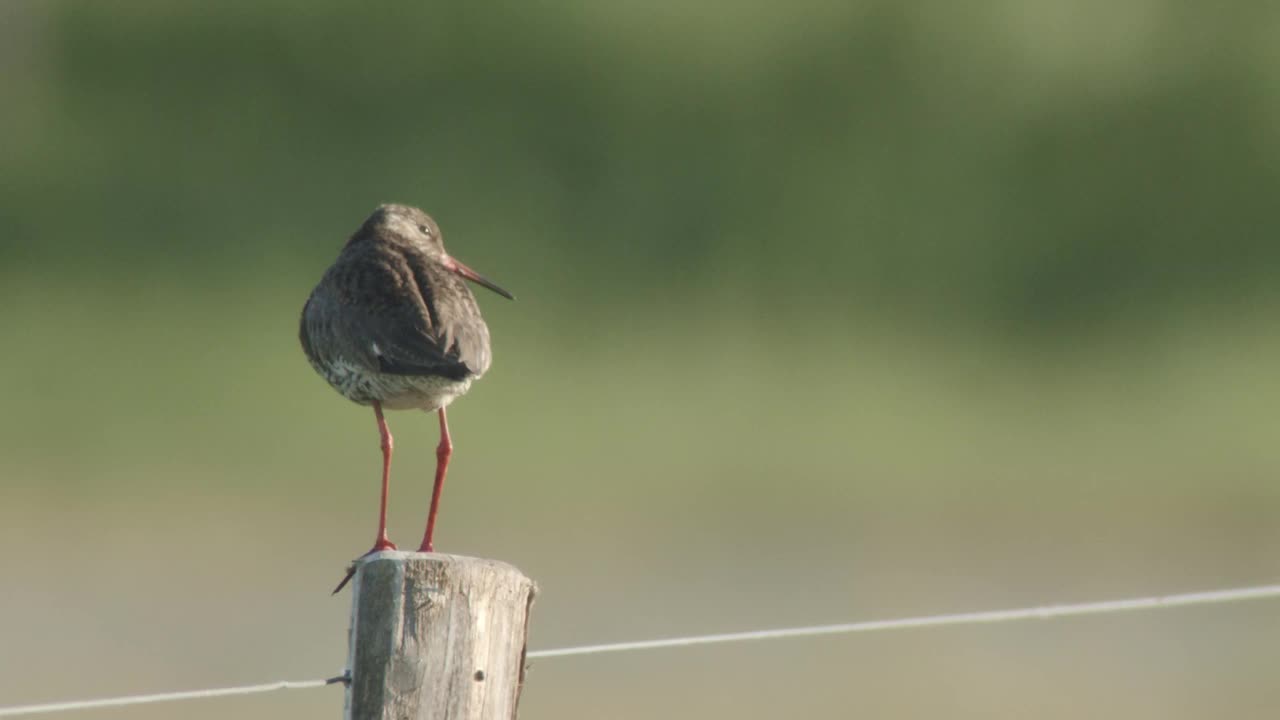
x: 392, y: 324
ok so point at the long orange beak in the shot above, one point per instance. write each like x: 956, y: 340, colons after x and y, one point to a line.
x: 462, y: 270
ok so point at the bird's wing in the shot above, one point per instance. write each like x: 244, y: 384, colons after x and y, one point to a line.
x: 376, y: 317
x: 454, y: 319
x: 406, y: 350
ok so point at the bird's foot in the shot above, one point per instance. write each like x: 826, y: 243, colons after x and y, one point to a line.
x: 382, y: 544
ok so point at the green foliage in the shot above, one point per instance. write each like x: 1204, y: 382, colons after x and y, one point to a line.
x: 998, y: 164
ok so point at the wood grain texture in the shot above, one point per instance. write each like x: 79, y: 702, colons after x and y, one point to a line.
x: 436, y: 636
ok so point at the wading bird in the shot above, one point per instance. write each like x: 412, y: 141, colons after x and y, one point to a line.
x: 392, y: 325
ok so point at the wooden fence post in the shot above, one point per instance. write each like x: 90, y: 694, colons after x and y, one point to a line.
x: 436, y: 636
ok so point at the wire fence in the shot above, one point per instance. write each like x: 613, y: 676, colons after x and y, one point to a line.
x: 1043, y: 612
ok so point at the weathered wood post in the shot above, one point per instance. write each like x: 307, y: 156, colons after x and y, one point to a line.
x: 436, y: 636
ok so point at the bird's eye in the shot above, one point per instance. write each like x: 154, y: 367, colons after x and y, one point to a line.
x: 425, y: 230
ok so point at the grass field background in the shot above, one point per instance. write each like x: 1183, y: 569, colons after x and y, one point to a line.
x: 826, y: 314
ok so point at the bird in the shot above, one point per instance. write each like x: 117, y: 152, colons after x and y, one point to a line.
x: 392, y: 325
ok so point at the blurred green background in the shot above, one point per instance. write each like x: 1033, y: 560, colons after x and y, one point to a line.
x: 828, y: 312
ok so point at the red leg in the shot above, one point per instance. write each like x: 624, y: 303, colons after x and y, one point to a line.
x: 382, y: 543
x: 443, y: 451
x: 388, y: 444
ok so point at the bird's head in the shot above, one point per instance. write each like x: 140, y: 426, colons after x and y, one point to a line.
x: 406, y: 225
